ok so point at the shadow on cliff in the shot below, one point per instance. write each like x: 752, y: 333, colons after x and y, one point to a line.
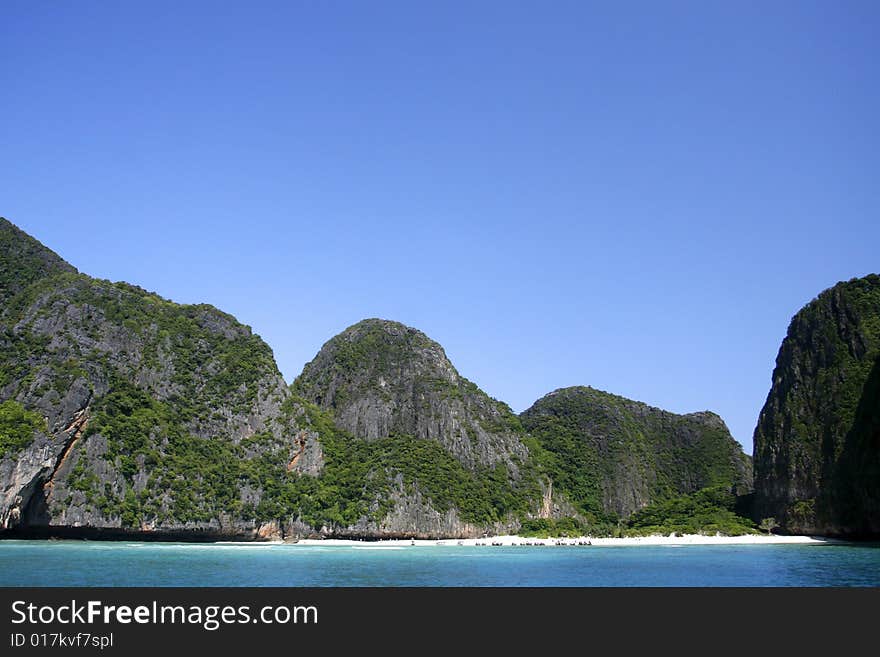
x: 853, y: 504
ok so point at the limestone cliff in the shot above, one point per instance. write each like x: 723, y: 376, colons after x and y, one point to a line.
x: 817, y: 441
x: 456, y: 458
x: 615, y: 456
x: 152, y: 412
x: 123, y: 414
x: 380, y: 378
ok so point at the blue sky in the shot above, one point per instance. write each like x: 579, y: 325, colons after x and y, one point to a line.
x: 635, y: 196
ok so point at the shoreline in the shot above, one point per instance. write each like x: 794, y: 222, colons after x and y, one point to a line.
x: 513, y: 540
x: 508, y: 540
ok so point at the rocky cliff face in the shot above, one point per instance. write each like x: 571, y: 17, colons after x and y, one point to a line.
x: 615, y: 456
x: 817, y: 442
x: 453, y: 459
x: 123, y: 414
x: 381, y: 378
x: 143, y: 404
x: 24, y: 260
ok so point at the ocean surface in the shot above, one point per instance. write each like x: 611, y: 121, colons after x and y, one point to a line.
x: 87, y: 563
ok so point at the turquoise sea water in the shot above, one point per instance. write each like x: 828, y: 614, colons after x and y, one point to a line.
x: 85, y: 563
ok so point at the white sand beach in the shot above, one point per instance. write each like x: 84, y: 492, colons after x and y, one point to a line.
x: 496, y: 541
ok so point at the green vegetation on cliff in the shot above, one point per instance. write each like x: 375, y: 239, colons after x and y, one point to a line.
x: 612, y: 456
x: 360, y: 476
x: 567, y: 527
x: 174, y: 417
x: 192, y: 479
x: 158, y: 332
x: 375, y: 346
x: 817, y: 441
x: 707, y: 511
x: 711, y: 510
x: 167, y: 395
x: 183, y: 477
x: 17, y: 427
x: 23, y: 261
x: 363, y: 356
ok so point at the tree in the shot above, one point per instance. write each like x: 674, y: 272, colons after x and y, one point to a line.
x: 768, y: 525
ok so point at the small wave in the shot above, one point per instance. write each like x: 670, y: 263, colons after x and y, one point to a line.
x: 248, y: 544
